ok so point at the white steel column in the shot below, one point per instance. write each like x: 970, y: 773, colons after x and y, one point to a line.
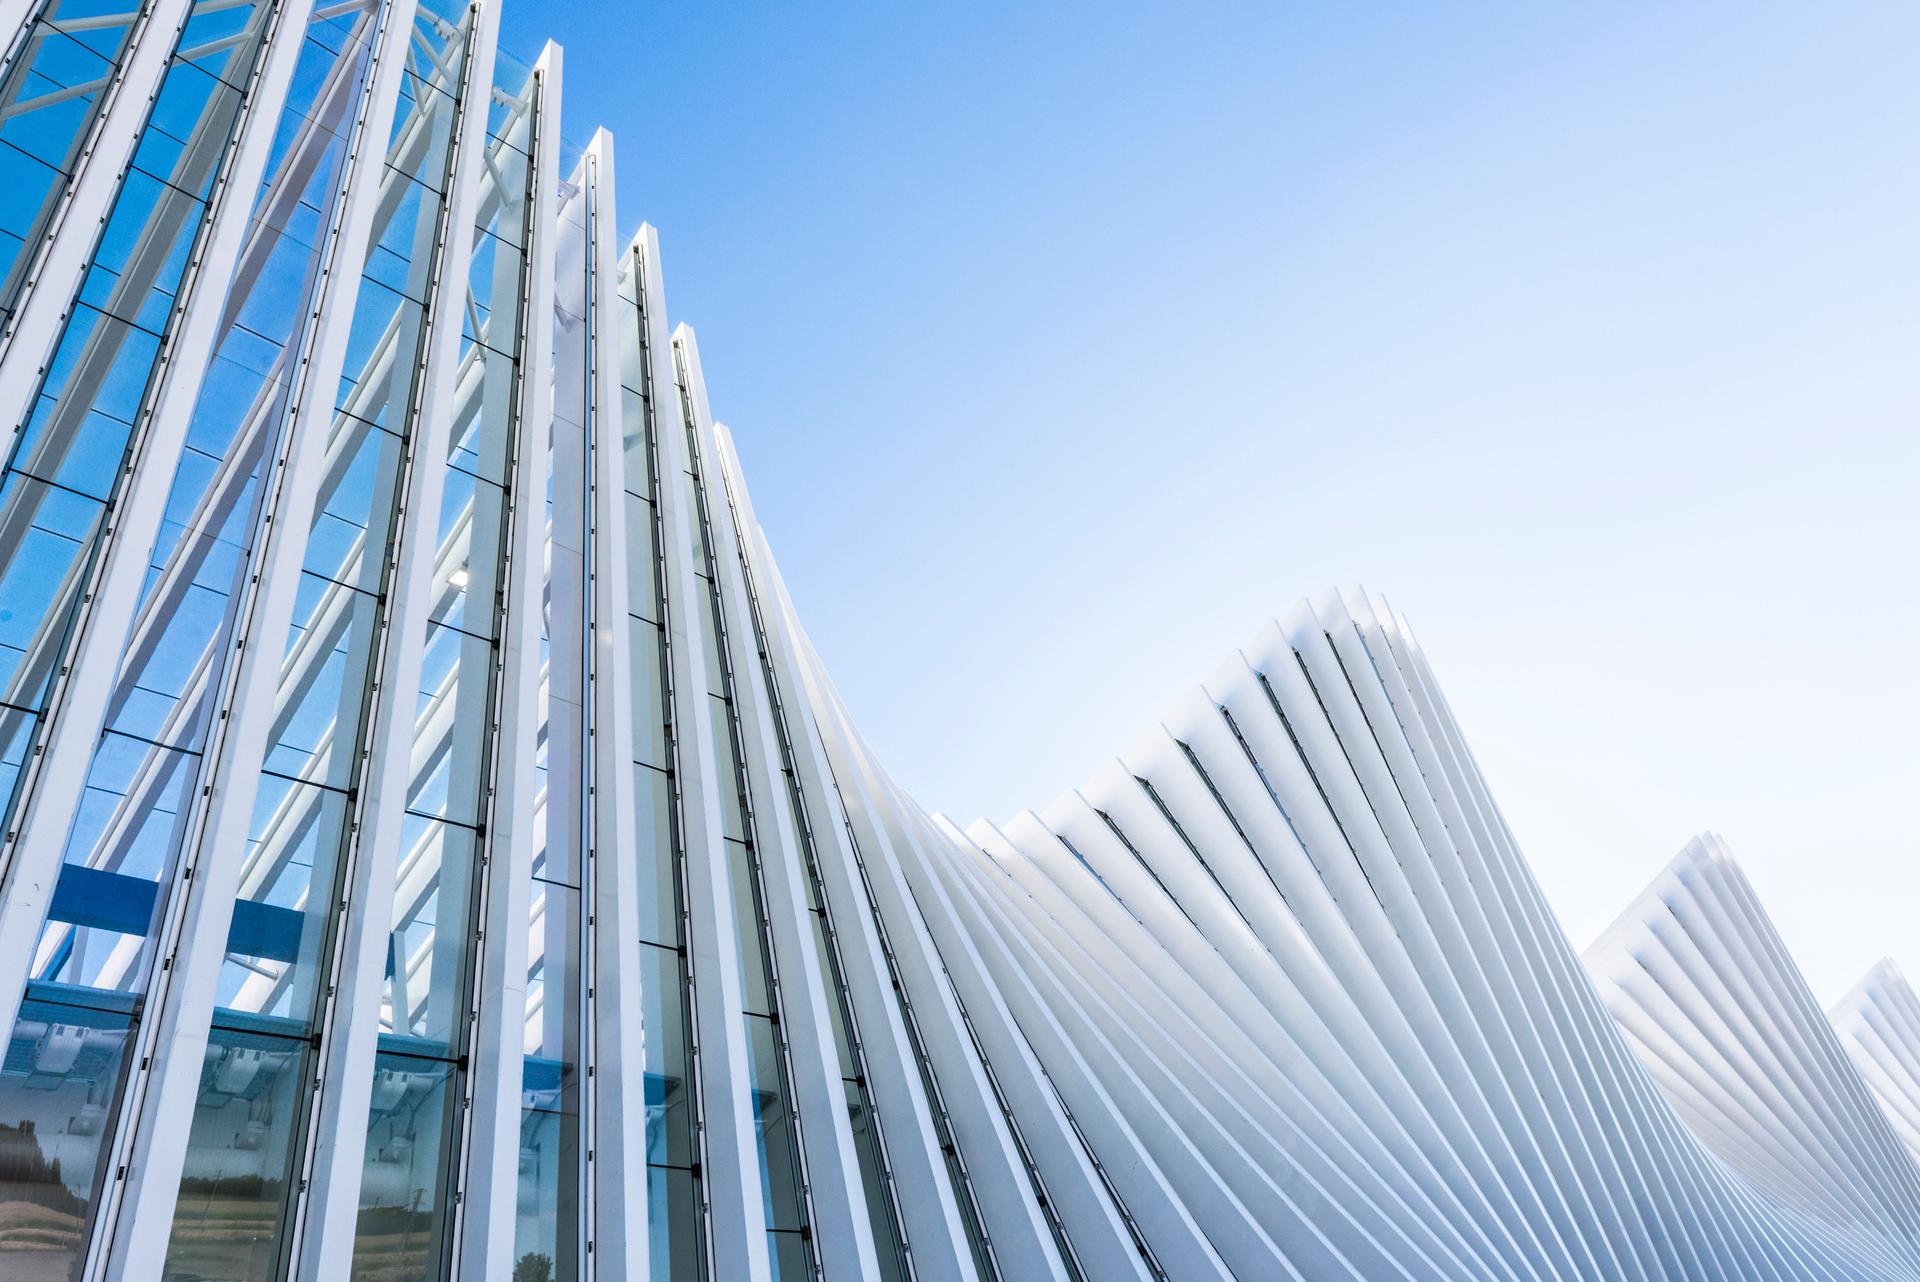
x: 490, y: 1165
x: 324, y: 1216
x: 614, y: 1091
x: 730, y: 1171
x: 50, y: 785
x: 567, y: 764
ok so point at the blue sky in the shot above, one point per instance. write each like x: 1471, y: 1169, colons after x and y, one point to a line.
x: 1064, y: 344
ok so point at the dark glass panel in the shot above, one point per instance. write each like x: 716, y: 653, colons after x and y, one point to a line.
x: 866, y: 1143
x: 647, y: 695
x: 643, y: 583
x: 756, y: 995
x: 548, y: 1212
x: 726, y: 776
x: 787, y: 1250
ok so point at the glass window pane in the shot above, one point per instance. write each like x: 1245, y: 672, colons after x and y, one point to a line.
x: 773, y: 1126
x: 232, y: 1206
x: 16, y: 734
x: 422, y: 997
x: 674, y: 1239
x: 788, y: 1251
x: 643, y: 597
x: 663, y: 998
x: 726, y: 775
x: 654, y: 852
x: 322, y: 691
x: 866, y: 1143
x: 402, y: 1200
x: 755, y: 996
x: 484, y: 416
x: 279, y: 926
x: 646, y: 694
x: 353, y: 517
x: 142, y: 255
x: 191, y: 105
x: 454, y: 711
x: 46, y: 541
x: 58, y: 1085
x: 119, y: 854
x: 78, y: 431
x: 466, y: 572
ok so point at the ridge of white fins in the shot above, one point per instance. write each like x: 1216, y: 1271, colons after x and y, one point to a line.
x: 1878, y: 1021
x: 430, y: 846
x: 1706, y: 993
x: 1281, y: 972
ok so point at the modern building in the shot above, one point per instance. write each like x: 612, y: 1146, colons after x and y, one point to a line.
x: 432, y: 849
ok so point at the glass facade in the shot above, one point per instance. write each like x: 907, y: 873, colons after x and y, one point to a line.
x: 277, y: 979
x: 87, y: 987
x: 425, y: 1028
x: 345, y: 245
x: 346, y: 934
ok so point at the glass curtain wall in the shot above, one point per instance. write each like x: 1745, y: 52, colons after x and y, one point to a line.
x: 406, y: 1184
x: 251, y: 1117
x: 548, y: 1202
x: 67, y: 464
x: 64, y: 1068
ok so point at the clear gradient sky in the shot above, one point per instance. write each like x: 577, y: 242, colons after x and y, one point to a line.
x: 1064, y: 344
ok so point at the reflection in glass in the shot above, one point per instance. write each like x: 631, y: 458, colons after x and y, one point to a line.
x: 403, y: 1200
x: 60, y: 1077
x: 230, y: 1219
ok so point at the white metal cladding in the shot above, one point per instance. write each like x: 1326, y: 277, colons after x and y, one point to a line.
x: 432, y: 847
